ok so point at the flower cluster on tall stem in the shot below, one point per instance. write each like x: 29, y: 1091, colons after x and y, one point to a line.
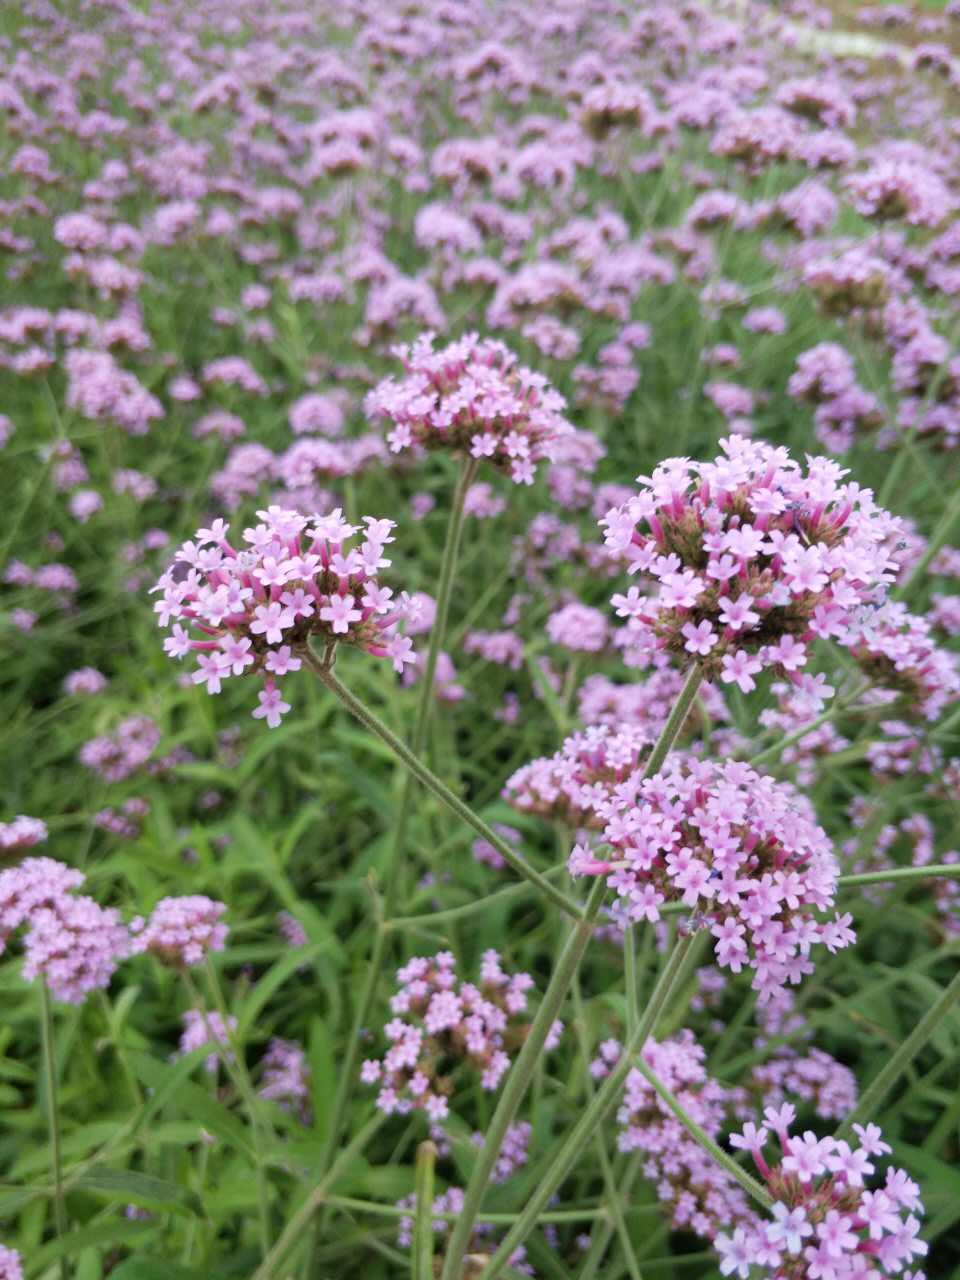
x: 827, y: 1225
x: 751, y: 558
x: 253, y: 611
x: 472, y: 397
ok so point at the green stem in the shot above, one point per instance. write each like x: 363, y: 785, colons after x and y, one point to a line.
x: 616, y: 1209
x: 675, y: 973
x: 53, y: 1117
x: 237, y: 1070
x: 422, y: 1256
x: 522, y: 1071
x: 518, y: 1080
x: 348, y: 1067
x: 838, y: 705
x: 942, y: 870
x: 443, y: 793
x: 482, y: 905
x: 884, y: 1081
x: 630, y: 979
x: 703, y: 1139
x: 295, y: 1228
x: 448, y: 565
x: 374, y: 1207
x: 601, y: 1241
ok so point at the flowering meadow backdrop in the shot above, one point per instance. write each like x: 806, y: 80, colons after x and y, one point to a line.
x: 478, y: 588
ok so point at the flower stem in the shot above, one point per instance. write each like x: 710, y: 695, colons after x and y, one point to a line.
x: 237, y: 1070
x: 674, y: 975
x: 887, y: 1077
x: 295, y: 1228
x: 53, y: 1117
x: 518, y: 1079
x: 522, y: 1071
x: 942, y: 870
x: 448, y: 566
x: 838, y: 705
x: 443, y: 793
x: 703, y: 1139
x: 348, y: 1068
x: 380, y: 1210
x: 422, y: 1256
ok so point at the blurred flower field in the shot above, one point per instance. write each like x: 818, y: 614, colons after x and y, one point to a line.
x: 479, y: 592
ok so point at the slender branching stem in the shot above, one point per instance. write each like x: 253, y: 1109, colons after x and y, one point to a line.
x: 422, y: 1257
x: 270, y: 1268
x: 674, y: 975
x: 521, y: 1073
x: 439, y: 788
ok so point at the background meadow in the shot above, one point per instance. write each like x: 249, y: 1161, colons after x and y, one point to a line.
x: 217, y: 222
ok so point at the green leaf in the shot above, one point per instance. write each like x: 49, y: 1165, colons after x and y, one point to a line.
x: 320, y: 1054
x: 111, y: 1232
x: 144, y: 1267
x: 271, y: 982
x: 140, y: 1188
x: 172, y: 1087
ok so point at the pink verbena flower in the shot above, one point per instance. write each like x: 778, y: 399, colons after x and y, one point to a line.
x: 751, y: 559
x: 898, y: 189
x: 183, y: 931
x: 22, y: 833
x: 578, y: 627
x: 693, y: 1189
x: 201, y: 1029
x: 10, y: 1264
x: 739, y: 849
x: 439, y: 1021
x: 286, y: 1077
x: 826, y: 1224
x: 36, y: 884
x: 253, y: 611
x: 473, y: 398
x: 896, y: 649
x: 74, y: 946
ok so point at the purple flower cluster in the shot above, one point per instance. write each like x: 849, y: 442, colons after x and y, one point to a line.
x: 22, y: 833
x: 753, y: 560
x: 825, y: 1223
x: 698, y: 1194
x: 251, y: 612
x: 71, y: 942
x: 439, y: 1022
x: 181, y: 932
x: 474, y: 398
x: 286, y: 1077
x: 897, y: 650
x: 10, y: 1264
x: 201, y: 1029
x: 737, y: 848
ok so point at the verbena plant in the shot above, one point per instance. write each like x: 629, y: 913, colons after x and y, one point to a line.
x: 534, y: 432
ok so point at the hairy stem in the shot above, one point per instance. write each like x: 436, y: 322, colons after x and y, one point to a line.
x: 269, y: 1269
x: 422, y: 1256
x: 522, y: 1071
x: 671, y: 980
x: 433, y: 784
x: 702, y: 1138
